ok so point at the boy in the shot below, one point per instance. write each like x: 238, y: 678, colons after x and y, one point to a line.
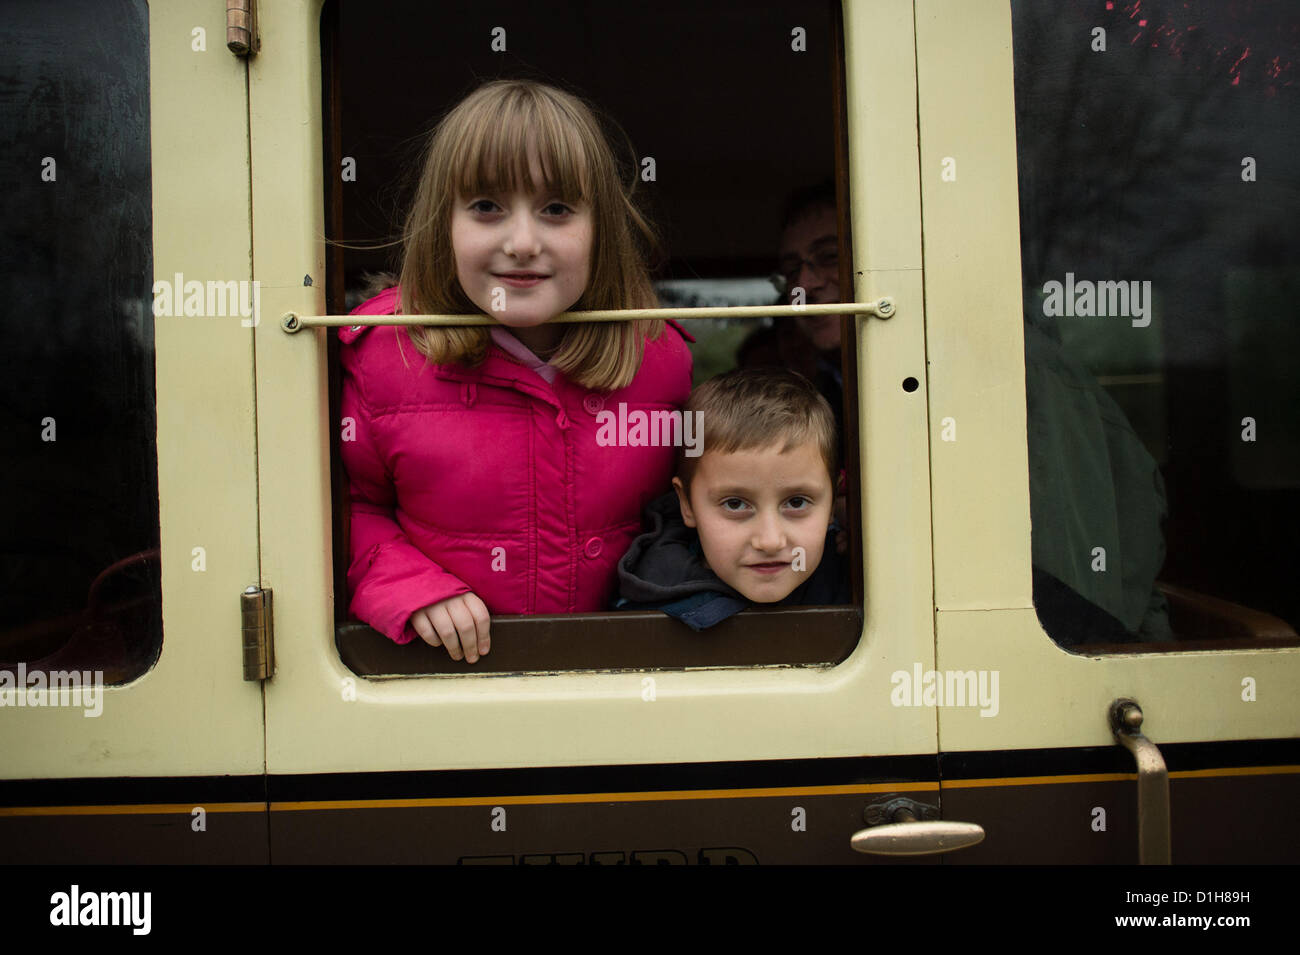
x: 750, y: 518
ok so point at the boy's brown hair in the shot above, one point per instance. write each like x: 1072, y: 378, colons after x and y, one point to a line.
x: 753, y: 408
x: 483, y: 145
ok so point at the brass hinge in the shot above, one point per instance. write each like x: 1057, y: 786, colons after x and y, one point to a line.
x: 241, y: 27
x: 258, y: 634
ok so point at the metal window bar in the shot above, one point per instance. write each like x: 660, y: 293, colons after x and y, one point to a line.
x: 292, y: 322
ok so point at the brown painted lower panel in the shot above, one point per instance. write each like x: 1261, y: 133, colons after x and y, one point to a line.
x: 1219, y: 816
x: 1047, y: 824
x: 682, y: 831
x: 1234, y: 818
x: 229, y: 838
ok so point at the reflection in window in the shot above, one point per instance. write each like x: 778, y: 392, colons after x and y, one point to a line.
x: 79, y: 570
x: 1158, y: 161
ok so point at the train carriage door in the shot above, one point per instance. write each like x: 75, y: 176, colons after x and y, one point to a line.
x: 1110, y: 284
x: 128, y: 730
x: 594, y: 737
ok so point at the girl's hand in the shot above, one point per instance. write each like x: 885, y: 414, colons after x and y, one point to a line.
x: 458, y: 623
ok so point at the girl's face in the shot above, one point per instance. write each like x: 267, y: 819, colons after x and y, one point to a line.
x: 524, y: 257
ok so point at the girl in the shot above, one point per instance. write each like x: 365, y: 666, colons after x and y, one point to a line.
x: 477, y: 480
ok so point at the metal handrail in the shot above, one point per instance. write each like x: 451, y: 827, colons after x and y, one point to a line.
x: 292, y: 322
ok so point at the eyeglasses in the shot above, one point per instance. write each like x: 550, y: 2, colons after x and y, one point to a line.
x: 825, y: 262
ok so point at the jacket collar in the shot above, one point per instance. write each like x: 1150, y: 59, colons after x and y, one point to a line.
x: 500, y: 370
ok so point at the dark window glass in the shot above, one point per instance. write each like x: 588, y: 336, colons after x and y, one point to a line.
x: 79, y: 580
x: 1159, y: 167
x: 735, y: 119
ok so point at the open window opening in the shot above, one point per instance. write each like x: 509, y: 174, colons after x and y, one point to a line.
x: 725, y: 139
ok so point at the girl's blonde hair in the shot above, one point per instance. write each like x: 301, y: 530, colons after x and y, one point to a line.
x: 484, y: 145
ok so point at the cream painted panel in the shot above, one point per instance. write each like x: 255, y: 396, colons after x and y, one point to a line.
x: 972, y: 293
x: 880, y: 72
x: 1048, y: 697
x: 192, y: 713
x: 886, y: 214
x: 510, y: 721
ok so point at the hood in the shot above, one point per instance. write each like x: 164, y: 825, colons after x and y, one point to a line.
x: 665, y: 564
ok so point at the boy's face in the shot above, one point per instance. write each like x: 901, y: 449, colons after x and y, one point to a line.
x: 761, y: 515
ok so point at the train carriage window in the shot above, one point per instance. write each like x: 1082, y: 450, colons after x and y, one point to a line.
x: 79, y: 569
x: 1159, y: 167
x: 735, y: 106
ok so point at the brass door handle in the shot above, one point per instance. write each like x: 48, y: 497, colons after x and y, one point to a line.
x: 905, y: 836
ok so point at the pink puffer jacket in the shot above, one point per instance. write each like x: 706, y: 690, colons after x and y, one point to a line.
x: 488, y: 479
